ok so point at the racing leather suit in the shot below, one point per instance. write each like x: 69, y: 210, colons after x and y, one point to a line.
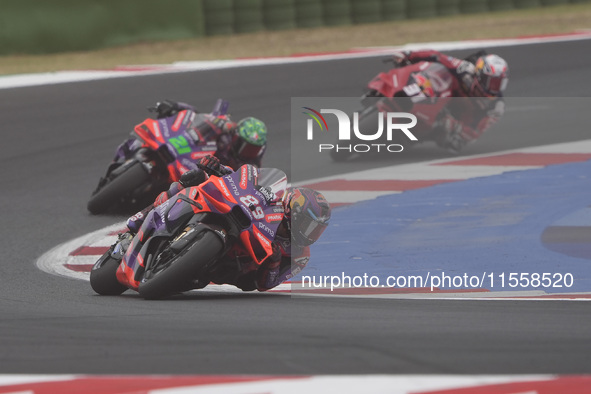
x: 228, y: 128
x: 466, y: 119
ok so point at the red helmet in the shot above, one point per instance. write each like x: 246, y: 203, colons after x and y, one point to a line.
x: 308, y: 213
x: 492, y: 76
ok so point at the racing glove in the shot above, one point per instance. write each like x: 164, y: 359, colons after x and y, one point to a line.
x: 401, y: 58
x: 212, y: 166
x: 165, y: 108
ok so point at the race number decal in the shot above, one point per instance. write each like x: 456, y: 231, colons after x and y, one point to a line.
x: 253, y: 204
x: 412, y: 90
x: 180, y: 144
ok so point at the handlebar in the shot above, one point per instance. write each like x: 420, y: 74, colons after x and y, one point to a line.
x: 209, y: 171
x: 396, y: 64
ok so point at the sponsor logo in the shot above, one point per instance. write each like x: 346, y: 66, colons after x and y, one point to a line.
x: 161, y: 209
x: 222, y: 186
x: 266, y: 229
x: 267, y: 193
x: 157, y: 132
x: 178, y: 121
x: 262, y: 238
x: 244, y: 177
x: 165, y: 129
x: 232, y: 185
x: 274, y: 217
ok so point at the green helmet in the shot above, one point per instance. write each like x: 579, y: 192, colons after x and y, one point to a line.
x: 251, y: 138
x: 252, y: 131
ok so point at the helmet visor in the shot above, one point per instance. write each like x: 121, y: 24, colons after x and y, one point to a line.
x: 247, y: 151
x: 309, y: 228
x: 494, y: 84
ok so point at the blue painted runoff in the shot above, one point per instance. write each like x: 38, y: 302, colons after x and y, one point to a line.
x: 486, y: 228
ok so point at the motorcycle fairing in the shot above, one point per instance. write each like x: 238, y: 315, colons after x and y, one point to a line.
x: 218, y: 196
x: 188, y: 136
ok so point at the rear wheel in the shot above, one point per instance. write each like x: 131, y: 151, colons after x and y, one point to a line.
x: 177, y: 273
x: 115, y: 190
x: 103, y: 277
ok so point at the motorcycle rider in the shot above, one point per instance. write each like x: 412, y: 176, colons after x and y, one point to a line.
x: 240, y: 143
x: 306, y: 216
x: 482, y: 77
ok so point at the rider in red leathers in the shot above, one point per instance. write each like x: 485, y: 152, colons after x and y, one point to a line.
x: 482, y: 78
x: 306, y: 215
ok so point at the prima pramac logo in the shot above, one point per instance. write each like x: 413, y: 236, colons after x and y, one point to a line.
x: 349, y: 131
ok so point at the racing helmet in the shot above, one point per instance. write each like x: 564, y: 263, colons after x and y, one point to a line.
x: 250, y: 139
x: 307, y: 213
x: 492, y: 75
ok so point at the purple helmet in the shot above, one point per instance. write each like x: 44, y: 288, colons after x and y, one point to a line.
x: 309, y: 212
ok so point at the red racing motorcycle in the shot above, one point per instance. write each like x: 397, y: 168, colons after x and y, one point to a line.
x: 423, y: 89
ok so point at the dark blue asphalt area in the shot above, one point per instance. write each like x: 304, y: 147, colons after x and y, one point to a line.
x: 484, y: 227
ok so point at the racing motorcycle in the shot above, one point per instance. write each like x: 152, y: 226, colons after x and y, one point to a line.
x: 158, y: 153
x: 423, y: 89
x: 213, y: 232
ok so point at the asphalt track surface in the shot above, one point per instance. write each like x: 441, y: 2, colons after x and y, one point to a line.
x: 56, y: 142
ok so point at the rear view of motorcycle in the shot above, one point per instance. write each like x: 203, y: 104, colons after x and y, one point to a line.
x: 214, y: 232
x: 157, y: 154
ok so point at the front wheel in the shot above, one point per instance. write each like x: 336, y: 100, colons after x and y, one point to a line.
x: 111, y: 194
x: 176, y: 274
x: 103, y: 277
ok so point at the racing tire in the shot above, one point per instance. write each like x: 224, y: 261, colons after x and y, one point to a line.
x: 110, y: 195
x: 178, y: 274
x: 103, y: 276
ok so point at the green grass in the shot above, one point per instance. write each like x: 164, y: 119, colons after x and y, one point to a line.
x: 548, y: 20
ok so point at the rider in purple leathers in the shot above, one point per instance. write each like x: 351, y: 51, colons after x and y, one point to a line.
x: 482, y: 77
x: 306, y: 216
x: 239, y: 143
